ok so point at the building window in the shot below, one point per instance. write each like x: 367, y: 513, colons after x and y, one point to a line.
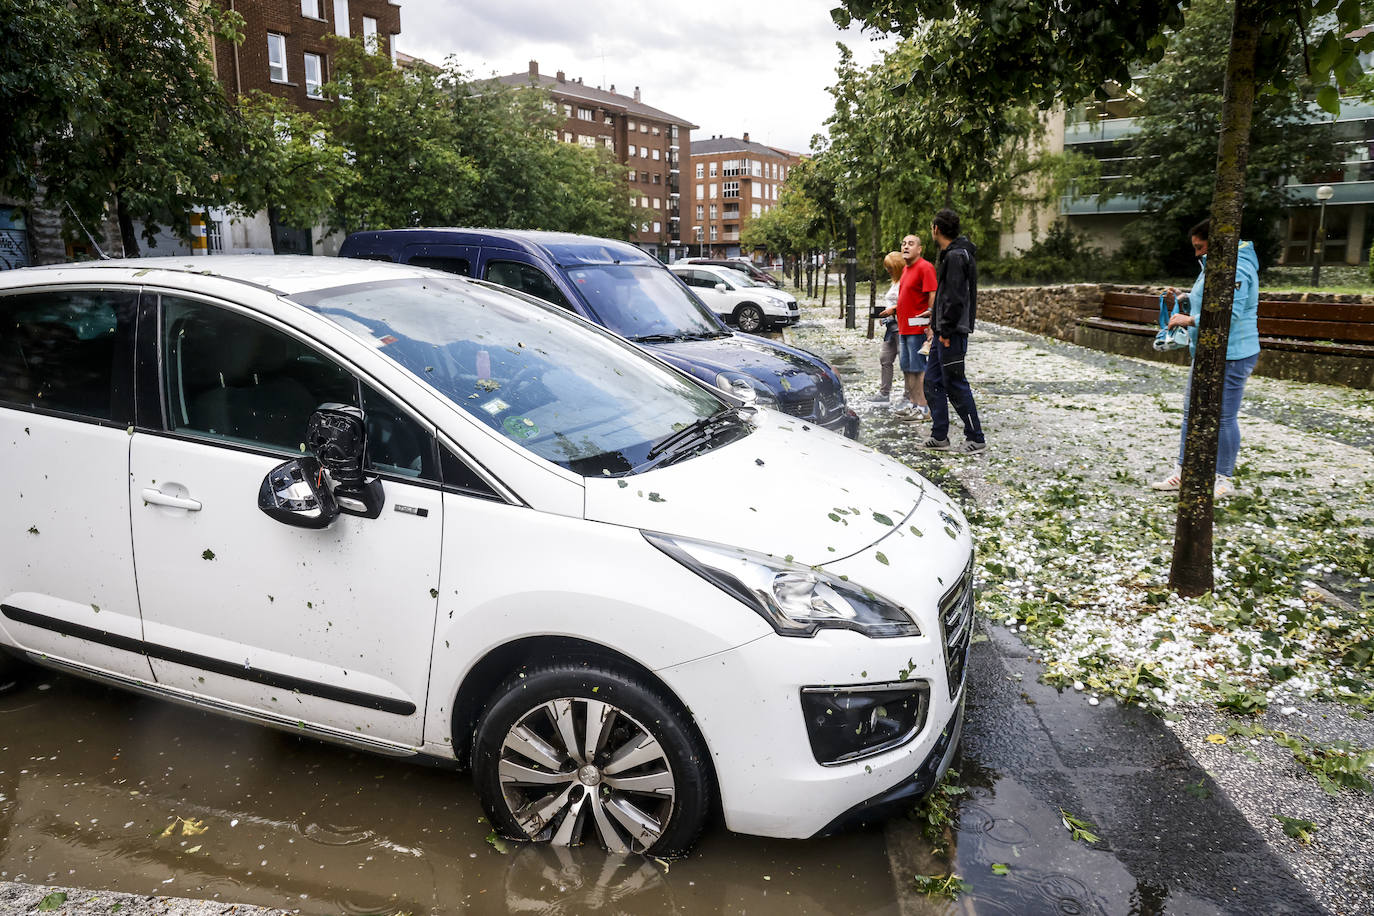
x: 758, y: 210
x: 633, y: 149
x: 729, y: 189
x: 658, y: 227
x: 643, y: 128
x: 713, y: 211
x: 756, y: 169
x: 310, y: 9
x: 567, y: 111
x: 644, y: 202
x: 699, y: 194
x: 700, y: 211
x: 655, y: 155
x: 655, y: 131
x: 608, y: 143
x: 586, y: 142
x: 629, y: 125
x: 658, y: 203
x: 276, y: 57
x: 714, y: 165
x: 643, y: 227
x: 633, y: 174
x: 730, y: 167
x: 370, y: 40
x: 567, y: 136
x: 714, y: 233
x: 341, y: 18
x: 214, y: 236
x: 643, y: 152
x: 713, y: 190
x: 701, y: 170
x: 584, y: 114
x: 314, y: 76
x: 657, y: 179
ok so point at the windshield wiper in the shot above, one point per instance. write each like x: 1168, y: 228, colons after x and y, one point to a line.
x: 692, y: 436
x: 656, y: 338
x: 704, y: 335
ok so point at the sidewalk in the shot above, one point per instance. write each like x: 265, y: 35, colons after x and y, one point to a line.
x: 1074, y: 555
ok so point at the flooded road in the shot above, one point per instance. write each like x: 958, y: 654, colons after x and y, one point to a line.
x: 100, y: 788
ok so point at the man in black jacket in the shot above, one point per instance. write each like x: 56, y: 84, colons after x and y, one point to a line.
x: 956, y: 302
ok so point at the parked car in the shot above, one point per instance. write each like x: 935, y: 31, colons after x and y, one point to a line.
x: 750, y: 306
x: 424, y: 516
x: 622, y: 288
x: 753, y: 271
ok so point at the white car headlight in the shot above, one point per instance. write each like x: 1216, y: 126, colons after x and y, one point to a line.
x: 796, y: 600
x: 746, y: 389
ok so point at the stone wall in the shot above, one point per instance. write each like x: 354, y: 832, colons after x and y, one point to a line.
x: 1050, y: 310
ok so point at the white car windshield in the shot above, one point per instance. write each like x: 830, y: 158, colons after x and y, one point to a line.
x: 645, y: 304
x: 564, y: 391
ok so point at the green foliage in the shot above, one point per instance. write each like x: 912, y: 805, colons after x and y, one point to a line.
x: 941, y: 887
x: 114, y: 104
x: 1297, y: 828
x: 1079, y: 829
x: 1062, y: 256
x: 1336, y: 765
x: 936, y: 813
x: 1174, y: 155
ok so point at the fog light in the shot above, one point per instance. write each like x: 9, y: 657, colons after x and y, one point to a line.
x: 848, y: 723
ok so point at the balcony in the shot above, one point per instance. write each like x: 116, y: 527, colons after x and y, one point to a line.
x: 730, y: 214
x: 1099, y: 131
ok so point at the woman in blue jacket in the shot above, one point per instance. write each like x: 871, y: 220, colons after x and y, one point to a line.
x: 1242, y: 352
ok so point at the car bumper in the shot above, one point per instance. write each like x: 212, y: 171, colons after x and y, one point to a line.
x: 747, y: 703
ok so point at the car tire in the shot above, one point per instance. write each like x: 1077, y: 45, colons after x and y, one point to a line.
x: 749, y: 318
x: 11, y: 671
x: 646, y: 786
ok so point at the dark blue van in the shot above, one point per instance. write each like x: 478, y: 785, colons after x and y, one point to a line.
x: 622, y: 288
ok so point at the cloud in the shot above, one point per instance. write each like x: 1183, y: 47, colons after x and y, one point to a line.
x: 762, y: 68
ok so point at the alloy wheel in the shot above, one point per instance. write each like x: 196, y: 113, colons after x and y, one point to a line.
x: 573, y: 766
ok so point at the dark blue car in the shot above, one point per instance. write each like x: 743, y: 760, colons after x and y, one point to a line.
x: 620, y: 287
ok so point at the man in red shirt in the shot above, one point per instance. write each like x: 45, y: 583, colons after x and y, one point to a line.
x: 914, y: 294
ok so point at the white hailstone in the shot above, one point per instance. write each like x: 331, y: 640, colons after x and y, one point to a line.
x: 1092, y: 701
x: 1077, y: 685
x: 1288, y: 710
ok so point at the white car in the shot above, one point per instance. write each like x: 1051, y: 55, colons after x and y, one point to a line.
x: 425, y: 516
x: 748, y: 305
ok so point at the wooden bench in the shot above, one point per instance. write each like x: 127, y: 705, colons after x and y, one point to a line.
x: 1340, y: 330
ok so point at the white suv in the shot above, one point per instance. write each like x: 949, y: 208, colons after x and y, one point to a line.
x: 421, y: 515
x: 748, y: 305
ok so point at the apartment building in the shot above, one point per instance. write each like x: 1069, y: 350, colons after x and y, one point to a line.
x: 731, y: 180
x: 650, y: 143
x: 1104, y: 129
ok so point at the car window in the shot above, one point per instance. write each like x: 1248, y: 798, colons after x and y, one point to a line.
x: 458, y: 476
x: 396, y: 443
x: 526, y: 278
x: 567, y: 393
x: 459, y: 266
x: 229, y: 376
x: 69, y: 351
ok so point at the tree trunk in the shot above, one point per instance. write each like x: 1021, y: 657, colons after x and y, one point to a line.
x: 825, y: 284
x: 949, y: 188
x: 877, y: 259
x: 128, y: 238
x: 796, y: 272
x: 1191, y: 572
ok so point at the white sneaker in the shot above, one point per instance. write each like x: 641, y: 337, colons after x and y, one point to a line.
x: 1169, y: 484
x: 1222, y: 488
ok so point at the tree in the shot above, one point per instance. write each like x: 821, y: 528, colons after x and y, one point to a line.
x: 116, y: 105
x: 1174, y: 154
x: 1044, y: 51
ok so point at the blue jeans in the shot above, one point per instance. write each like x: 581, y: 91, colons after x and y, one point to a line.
x: 946, y: 383
x: 1228, y: 435
x: 912, y: 360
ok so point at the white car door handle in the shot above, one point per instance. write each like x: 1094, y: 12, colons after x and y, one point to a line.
x: 158, y: 498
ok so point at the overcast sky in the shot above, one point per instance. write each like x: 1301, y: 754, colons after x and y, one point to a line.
x: 760, y: 67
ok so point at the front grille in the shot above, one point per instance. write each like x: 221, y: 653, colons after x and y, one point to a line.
x: 802, y: 407
x: 956, y: 620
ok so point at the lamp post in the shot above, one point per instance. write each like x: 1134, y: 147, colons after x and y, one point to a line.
x: 1324, y: 193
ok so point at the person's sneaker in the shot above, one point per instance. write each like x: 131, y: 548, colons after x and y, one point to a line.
x: 972, y: 448
x: 939, y: 445
x: 916, y: 414
x: 904, y: 413
x: 1169, y: 484
x: 880, y: 398
x: 1223, y: 488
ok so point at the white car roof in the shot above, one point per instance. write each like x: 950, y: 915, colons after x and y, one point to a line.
x: 282, y: 274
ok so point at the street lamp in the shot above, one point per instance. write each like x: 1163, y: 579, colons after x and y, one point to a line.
x: 1324, y: 193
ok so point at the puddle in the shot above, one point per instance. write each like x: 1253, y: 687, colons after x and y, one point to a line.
x: 103, y: 789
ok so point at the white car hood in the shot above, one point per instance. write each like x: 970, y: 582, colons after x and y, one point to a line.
x: 788, y: 489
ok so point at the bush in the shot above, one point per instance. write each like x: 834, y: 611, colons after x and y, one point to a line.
x: 1062, y: 256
